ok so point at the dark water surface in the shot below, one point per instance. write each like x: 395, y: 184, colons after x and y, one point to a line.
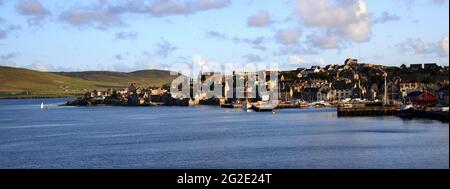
x: 211, y: 137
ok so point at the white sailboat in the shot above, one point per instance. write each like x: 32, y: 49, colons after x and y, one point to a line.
x: 42, y: 106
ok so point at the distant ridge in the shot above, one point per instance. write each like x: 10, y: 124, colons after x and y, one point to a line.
x: 141, y: 77
x: 26, y: 83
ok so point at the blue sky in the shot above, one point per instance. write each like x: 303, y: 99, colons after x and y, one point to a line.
x: 52, y: 35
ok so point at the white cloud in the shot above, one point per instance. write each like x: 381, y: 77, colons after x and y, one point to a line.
x: 419, y: 47
x: 295, y: 49
x: 253, y: 58
x: 347, y: 19
x: 39, y: 66
x: 321, y: 61
x: 261, y: 19
x: 444, y: 46
x: 324, y: 40
x: 97, y: 17
x: 106, y: 14
x: 287, y: 36
x: 32, y: 9
x: 295, y: 59
x: 175, y: 7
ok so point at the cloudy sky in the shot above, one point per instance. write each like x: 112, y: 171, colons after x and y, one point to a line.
x: 54, y: 35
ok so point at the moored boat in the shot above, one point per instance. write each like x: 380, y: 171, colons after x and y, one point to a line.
x: 247, y: 106
x: 264, y: 106
x: 303, y: 104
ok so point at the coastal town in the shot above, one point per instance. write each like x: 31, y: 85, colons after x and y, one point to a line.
x: 354, y: 88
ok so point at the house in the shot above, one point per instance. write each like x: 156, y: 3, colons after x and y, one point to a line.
x: 157, y: 91
x: 394, y: 91
x: 331, y: 67
x: 312, y: 70
x: 132, y: 88
x: 300, y: 72
x: 309, y: 94
x: 403, y: 67
x: 359, y: 91
x: 443, y: 96
x: 109, y: 92
x: 348, y: 74
x: 415, y: 67
x: 316, y: 83
x: 373, y: 92
x: 406, y: 88
x: 121, y: 91
x: 422, y: 99
x: 343, y: 90
x: 351, y: 62
x: 431, y: 66
x: 325, y: 93
x: 138, y: 99
x: 89, y: 95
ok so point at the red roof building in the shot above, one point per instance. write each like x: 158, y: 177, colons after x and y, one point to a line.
x: 423, y: 99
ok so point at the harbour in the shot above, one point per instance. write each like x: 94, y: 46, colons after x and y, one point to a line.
x: 212, y: 137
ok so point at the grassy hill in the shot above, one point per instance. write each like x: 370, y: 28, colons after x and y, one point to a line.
x: 142, y: 78
x: 25, y: 83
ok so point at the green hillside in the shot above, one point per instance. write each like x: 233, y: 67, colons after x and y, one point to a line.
x: 142, y: 78
x: 25, y: 83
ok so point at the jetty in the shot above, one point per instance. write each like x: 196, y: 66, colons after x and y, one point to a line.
x: 367, y: 111
x: 423, y: 114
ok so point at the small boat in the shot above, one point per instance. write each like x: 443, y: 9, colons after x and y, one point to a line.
x: 43, y: 107
x: 247, y: 106
x: 320, y: 104
x: 303, y: 104
x: 264, y: 107
x: 406, y: 105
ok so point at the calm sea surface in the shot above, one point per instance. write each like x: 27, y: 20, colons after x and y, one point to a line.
x: 211, y: 137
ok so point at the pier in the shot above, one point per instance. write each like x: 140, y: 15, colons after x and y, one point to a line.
x: 367, y: 111
x: 421, y: 114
